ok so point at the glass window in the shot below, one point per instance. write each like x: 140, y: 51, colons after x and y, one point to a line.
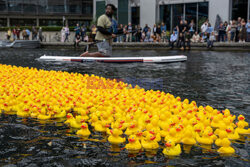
x: 80, y: 22
x: 15, y: 6
x: 239, y: 9
x: 50, y: 22
x: 22, y: 22
x: 135, y: 15
x: 165, y: 15
x: 202, y: 13
x: 191, y: 12
x: 177, y: 14
x: 3, y: 22
x: 30, y: 6
x: 87, y: 7
x: 3, y: 6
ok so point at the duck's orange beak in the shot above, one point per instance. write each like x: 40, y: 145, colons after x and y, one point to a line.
x: 139, y: 134
x: 121, y: 122
x: 241, y: 118
x: 152, y: 132
x: 84, y: 126
x: 68, y: 116
x: 107, y: 126
x: 228, y: 130
x: 178, y: 129
x: 132, y: 126
x: 131, y: 140
x: 194, y: 123
x: 197, y: 130
x: 168, y: 144
x: 152, y: 138
x: 210, y: 134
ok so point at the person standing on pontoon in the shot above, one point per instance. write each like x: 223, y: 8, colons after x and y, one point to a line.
x: 104, y: 34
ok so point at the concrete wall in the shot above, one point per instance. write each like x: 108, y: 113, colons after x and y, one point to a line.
x: 147, y: 13
x: 220, y: 7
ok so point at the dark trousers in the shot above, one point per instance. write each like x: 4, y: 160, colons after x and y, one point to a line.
x: 237, y: 36
x: 221, y: 37
x: 171, y: 44
x: 187, y: 45
x: 210, y: 44
x: 180, y: 44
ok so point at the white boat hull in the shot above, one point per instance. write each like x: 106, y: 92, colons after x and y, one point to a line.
x: 157, y: 59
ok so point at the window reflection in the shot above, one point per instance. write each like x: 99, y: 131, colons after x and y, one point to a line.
x: 165, y: 15
x: 3, y: 22
x: 135, y: 15
x: 177, y: 14
x: 22, y: 22
x: 239, y: 9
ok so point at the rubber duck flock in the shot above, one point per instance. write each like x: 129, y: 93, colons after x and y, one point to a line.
x: 137, y: 118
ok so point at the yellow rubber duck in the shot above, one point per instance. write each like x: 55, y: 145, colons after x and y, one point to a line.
x: 131, y: 129
x: 59, y: 114
x: 171, y: 149
x: 84, y: 131
x: 149, y: 143
x: 225, y: 147
x: 222, y: 135
x: 134, y: 143
x: 23, y: 113
x: 205, y: 138
x: 172, y: 135
x: 232, y: 134
x: 43, y: 117
x: 188, y: 137
x: 115, y: 137
x: 241, y: 118
x: 241, y: 128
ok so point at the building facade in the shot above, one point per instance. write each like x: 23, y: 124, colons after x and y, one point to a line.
x: 172, y: 11
x: 45, y: 12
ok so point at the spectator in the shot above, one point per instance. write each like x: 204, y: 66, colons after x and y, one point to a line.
x: 186, y: 27
x: 83, y: 32
x: 145, y: 29
x: 204, y: 37
x: 14, y: 34
x: 129, y: 33
x: 18, y: 31
x: 173, y: 39
x: 238, y: 29
x: 243, y: 32
x: 163, y: 32
x: 40, y: 34
x: 233, y: 30
x: 154, y: 29
x: 210, y: 29
x: 63, y: 34
x: 9, y: 34
x: 24, y: 34
x: 192, y: 28
x: 248, y: 30
x: 77, y: 30
x: 67, y: 33
x: 34, y: 33
x: 222, y: 32
x: 93, y: 30
x: 138, y: 33
x: 228, y: 31
x: 225, y: 35
x: 148, y: 35
x: 125, y: 31
x: 158, y: 33
x: 187, y: 41
x: 28, y: 34
x: 182, y: 27
x: 204, y: 27
x: 86, y: 38
x: 77, y: 41
x: 195, y: 38
x: 120, y: 38
x: 211, y: 40
x: 181, y: 41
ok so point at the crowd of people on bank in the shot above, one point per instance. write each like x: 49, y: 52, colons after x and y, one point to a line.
x: 25, y: 34
x: 182, y: 35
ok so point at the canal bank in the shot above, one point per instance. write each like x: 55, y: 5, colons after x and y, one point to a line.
x: 223, y: 46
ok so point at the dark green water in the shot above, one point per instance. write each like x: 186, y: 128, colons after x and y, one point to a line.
x: 219, y: 79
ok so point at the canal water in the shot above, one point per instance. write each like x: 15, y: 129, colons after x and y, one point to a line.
x: 218, y: 79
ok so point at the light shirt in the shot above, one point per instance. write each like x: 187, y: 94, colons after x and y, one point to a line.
x: 248, y: 27
x: 204, y: 27
x: 105, y: 22
x: 173, y: 37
